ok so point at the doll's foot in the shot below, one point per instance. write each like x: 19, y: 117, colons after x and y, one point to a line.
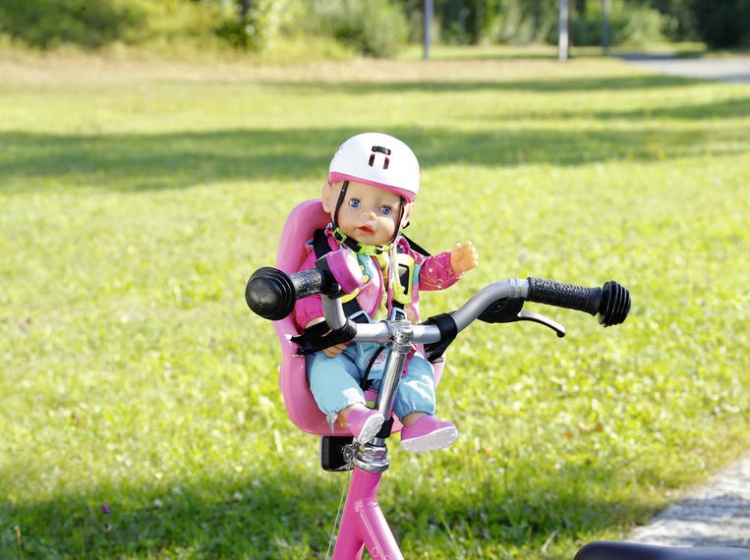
x: 428, y: 434
x: 364, y: 424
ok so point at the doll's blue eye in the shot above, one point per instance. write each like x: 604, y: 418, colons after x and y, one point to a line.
x: 354, y: 203
x: 386, y: 210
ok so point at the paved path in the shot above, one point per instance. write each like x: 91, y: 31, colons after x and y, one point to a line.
x: 717, y: 514
x: 732, y: 69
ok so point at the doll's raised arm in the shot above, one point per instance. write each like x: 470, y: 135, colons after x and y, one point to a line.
x: 464, y: 257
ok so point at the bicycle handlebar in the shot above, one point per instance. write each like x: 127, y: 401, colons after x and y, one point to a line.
x: 272, y: 294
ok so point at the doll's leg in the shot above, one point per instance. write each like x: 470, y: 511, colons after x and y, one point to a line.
x: 416, y: 391
x: 415, y: 406
x: 334, y: 383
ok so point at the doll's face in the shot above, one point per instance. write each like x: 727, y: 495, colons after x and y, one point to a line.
x: 368, y: 214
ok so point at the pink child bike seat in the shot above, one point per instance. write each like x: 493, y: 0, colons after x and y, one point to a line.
x: 299, y: 228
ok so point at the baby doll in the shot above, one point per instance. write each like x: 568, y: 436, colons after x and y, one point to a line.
x: 370, y: 194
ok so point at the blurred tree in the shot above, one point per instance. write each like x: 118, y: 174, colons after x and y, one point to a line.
x: 678, y: 18
x: 723, y: 24
x: 373, y: 27
x: 47, y: 24
x: 376, y: 28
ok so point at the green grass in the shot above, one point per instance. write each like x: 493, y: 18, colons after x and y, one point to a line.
x: 139, y: 410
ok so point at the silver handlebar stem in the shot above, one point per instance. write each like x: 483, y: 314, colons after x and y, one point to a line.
x: 401, y: 340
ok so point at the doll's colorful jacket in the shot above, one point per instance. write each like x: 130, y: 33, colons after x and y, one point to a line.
x: 426, y: 272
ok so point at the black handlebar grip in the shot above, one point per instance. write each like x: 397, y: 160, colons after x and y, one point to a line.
x: 568, y: 296
x: 611, y: 303
x: 271, y: 293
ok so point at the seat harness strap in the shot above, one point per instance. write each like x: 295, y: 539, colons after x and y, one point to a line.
x: 319, y: 336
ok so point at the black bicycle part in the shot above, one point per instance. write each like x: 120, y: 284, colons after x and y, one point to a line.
x: 333, y: 456
x: 320, y: 336
x: 448, y: 333
x: 272, y: 293
x: 502, y: 311
x: 385, y: 429
x: 611, y: 303
x: 611, y: 550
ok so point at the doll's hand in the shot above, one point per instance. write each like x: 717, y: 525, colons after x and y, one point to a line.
x: 333, y: 351
x: 464, y: 257
x: 330, y: 351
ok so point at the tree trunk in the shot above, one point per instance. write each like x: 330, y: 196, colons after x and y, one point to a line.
x: 562, y: 39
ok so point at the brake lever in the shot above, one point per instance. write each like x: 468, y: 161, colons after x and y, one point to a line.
x: 511, y: 311
x: 542, y: 320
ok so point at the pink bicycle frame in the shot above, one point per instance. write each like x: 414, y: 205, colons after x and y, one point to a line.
x: 363, y: 523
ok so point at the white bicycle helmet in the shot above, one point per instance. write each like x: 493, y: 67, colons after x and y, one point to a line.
x: 379, y: 160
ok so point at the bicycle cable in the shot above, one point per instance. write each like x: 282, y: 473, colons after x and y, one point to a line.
x: 344, y: 491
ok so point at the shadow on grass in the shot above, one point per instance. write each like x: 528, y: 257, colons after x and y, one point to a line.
x: 138, y: 162
x: 290, y: 514
x: 704, y: 111
x: 203, y: 519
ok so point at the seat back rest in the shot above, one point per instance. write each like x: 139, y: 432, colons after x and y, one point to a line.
x: 299, y: 227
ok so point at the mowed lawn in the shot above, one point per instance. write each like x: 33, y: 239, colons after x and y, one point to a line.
x: 139, y: 410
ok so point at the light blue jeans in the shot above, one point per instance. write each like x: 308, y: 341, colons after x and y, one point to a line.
x: 334, y: 382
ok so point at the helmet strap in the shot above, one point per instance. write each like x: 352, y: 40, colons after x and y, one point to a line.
x: 356, y: 246
x: 339, y: 202
x: 400, y: 218
x: 338, y: 234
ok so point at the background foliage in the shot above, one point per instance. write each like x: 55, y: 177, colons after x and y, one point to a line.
x: 374, y: 28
